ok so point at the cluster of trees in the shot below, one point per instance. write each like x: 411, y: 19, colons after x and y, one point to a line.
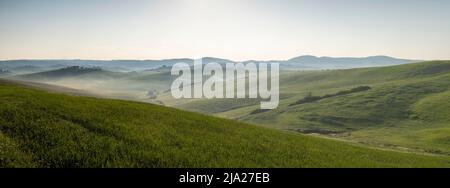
x: 2, y: 71
x: 310, y: 98
x: 94, y: 68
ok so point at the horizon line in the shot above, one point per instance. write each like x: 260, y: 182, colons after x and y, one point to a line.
x: 229, y: 59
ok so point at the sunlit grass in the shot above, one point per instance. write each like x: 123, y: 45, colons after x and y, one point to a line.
x: 42, y: 129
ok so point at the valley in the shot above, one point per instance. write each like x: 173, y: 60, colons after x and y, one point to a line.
x: 401, y: 107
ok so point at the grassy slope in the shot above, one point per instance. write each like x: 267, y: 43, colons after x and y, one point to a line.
x: 295, y: 85
x: 407, y: 106
x: 42, y: 129
x: 119, y: 85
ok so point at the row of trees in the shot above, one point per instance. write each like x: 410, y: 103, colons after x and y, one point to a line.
x: 310, y: 98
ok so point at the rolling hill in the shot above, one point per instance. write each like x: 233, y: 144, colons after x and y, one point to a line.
x: 46, y: 129
x: 406, y: 106
x: 306, y: 62
x: 404, y: 109
x: 92, y: 81
x: 72, y: 72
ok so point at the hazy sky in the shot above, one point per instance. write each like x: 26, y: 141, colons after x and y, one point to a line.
x: 234, y: 29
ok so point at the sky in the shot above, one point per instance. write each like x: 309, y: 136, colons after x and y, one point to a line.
x: 232, y: 29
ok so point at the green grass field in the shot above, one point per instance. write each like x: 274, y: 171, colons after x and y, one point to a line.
x: 44, y: 129
x: 407, y: 107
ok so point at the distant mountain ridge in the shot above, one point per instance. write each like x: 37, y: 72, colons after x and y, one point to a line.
x: 313, y: 62
x: 306, y: 62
